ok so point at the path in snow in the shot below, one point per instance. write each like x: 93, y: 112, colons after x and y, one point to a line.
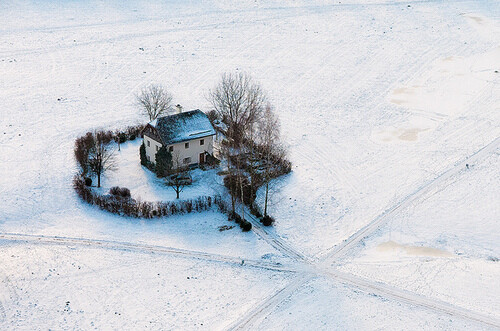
x: 117, y: 245
x: 326, y: 267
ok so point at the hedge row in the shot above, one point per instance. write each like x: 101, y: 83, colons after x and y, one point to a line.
x: 146, y: 209
x: 84, y: 143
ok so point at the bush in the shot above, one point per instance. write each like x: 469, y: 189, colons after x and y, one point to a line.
x: 88, y: 181
x: 267, y: 220
x: 255, y: 211
x: 163, y: 160
x: 233, y: 216
x: 142, y: 154
x: 115, y: 190
x: 122, y: 138
x: 82, y: 149
x: 120, y: 192
x: 212, y: 161
x: 125, y: 192
x: 132, y: 137
x: 246, y: 226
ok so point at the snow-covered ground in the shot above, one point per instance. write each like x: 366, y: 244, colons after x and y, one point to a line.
x: 324, y: 305
x: 145, y: 185
x: 445, y: 245
x: 93, y: 288
x: 377, y: 99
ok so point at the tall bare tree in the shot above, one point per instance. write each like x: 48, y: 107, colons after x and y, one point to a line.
x: 239, y: 102
x: 270, y: 147
x: 101, y: 157
x: 154, y: 100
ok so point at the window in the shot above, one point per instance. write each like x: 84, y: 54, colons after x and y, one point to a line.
x: 186, y: 145
x: 187, y: 160
x: 149, y: 143
x: 157, y: 148
x: 149, y: 159
x: 171, y: 149
x: 202, y: 142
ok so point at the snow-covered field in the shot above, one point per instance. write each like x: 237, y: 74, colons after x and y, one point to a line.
x: 389, y: 220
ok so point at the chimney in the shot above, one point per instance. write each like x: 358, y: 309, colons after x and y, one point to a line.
x: 178, y: 108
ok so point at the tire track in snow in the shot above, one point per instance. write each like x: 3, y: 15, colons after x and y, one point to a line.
x: 252, y: 318
x: 275, y: 241
x: 137, y: 35
x: 145, y: 248
x: 340, y: 250
x: 256, y: 315
x: 411, y: 298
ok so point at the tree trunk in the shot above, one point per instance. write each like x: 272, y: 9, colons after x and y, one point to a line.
x: 265, y: 201
x: 242, y: 200
x: 177, y: 191
x: 99, y: 169
x: 240, y: 176
x: 233, y: 202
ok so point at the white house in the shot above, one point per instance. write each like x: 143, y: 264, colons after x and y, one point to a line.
x: 189, y: 136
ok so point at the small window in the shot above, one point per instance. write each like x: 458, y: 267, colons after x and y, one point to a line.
x: 202, y: 142
x: 186, y: 145
x: 157, y: 148
x: 171, y: 149
x: 187, y: 160
x: 149, y: 143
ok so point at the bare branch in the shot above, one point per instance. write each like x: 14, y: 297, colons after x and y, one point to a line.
x: 155, y: 101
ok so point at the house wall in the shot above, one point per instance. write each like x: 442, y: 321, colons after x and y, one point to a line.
x: 152, y: 148
x: 180, y: 152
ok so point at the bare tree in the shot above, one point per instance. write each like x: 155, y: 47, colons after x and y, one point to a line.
x: 179, y: 176
x: 239, y: 103
x: 270, y: 147
x: 155, y: 100
x: 101, y: 156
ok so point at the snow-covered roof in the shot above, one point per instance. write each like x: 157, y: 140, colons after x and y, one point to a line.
x: 184, y: 126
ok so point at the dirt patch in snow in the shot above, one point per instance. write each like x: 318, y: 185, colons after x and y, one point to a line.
x: 476, y: 19
x: 407, y: 132
x: 391, y: 246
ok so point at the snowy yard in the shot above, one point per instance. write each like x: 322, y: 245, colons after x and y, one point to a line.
x: 145, y: 185
x: 389, y: 219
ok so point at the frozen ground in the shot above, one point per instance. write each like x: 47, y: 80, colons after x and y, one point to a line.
x: 381, y: 102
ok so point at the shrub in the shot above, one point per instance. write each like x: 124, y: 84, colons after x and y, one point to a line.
x: 125, y: 192
x: 163, y: 160
x: 132, y: 137
x: 267, y: 220
x: 212, y: 161
x: 88, y: 181
x: 120, y: 191
x: 254, y: 209
x: 122, y: 138
x: 115, y: 190
x: 82, y: 149
x: 246, y: 226
x: 142, y: 154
